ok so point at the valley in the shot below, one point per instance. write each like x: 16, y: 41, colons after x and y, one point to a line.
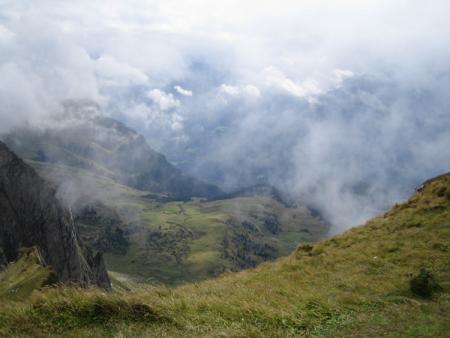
x: 151, y: 221
x: 224, y: 169
x: 176, y: 242
x: 351, y: 285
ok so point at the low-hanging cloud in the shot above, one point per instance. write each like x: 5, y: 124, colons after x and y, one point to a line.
x: 180, y: 90
x: 344, y: 105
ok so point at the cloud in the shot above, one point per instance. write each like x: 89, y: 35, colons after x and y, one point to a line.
x: 246, y: 90
x: 115, y: 73
x: 343, y: 104
x: 362, y: 146
x: 341, y: 75
x: 306, y: 89
x: 5, y: 34
x: 180, y: 90
x: 163, y: 100
x: 230, y: 90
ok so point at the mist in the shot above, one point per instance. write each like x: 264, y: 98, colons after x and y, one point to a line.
x: 344, y: 106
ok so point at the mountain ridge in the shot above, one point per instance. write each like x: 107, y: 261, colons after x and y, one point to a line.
x: 109, y: 148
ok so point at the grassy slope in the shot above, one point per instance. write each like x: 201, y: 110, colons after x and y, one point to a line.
x: 189, y: 242
x: 188, y: 237
x: 354, y: 284
x: 23, y: 276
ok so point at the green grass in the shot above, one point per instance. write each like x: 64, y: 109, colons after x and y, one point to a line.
x: 193, y: 235
x: 190, y: 236
x: 23, y: 276
x: 352, y: 285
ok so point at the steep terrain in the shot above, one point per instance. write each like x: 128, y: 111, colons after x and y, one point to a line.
x: 108, y: 148
x: 174, y: 242
x: 151, y: 221
x: 367, y: 282
x: 32, y: 216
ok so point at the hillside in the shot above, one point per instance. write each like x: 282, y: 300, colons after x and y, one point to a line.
x: 108, y: 148
x: 354, y: 284
x: 152, y: 222
x: 175, y: 242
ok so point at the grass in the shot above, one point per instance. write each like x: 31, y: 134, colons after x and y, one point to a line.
x: 190, y: 241
x: 189, y: 245
x: 23, y: 276
x: 352, y: 285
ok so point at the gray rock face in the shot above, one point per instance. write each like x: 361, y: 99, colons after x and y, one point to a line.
x: 30, y: 215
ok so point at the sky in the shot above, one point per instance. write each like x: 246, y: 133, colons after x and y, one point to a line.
x: 343, y: 104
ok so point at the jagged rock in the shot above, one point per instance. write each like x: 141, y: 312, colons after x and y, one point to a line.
x: 99, y: 272
x: 31, y: 216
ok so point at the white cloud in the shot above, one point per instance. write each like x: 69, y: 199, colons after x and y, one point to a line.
x: 183, y: 91
x: 251, y: 90
x: 340, y: 75
x: 115, y: 73
x: 159, y: 121
x: 230, y: 90
x: 309, y: 89
x: 254, y: 66
x: 163, y: 100
x: 246, y: 90
x: 176, y: 122
x: 141, y: 113
x: 306, y: 89
x: 5, y: 34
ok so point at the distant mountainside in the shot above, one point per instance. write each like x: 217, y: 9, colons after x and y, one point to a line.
x: 31, y: 216
x: 138, y: 209
x: 262, y: 190
x: 109, y: 148
x: 173, y: 242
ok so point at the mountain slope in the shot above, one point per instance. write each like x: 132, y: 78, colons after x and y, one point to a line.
x: 357, y: 284
x: 122, y: 193
x: 31, y: 215
x: 175, y: 242
x: 181, y: 242
x: 108, y: 148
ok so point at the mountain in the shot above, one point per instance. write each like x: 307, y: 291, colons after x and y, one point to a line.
x: 387, y: 278
x: 107, y: 147
x: 32, y: 216
x: 134, y: 206
x: 177, y: 241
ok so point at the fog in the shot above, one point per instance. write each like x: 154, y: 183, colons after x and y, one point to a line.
x: 344, y: 105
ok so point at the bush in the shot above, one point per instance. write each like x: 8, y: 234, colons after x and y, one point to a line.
x: 424, y: 284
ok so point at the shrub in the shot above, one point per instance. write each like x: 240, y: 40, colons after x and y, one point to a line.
x: 424, y: 284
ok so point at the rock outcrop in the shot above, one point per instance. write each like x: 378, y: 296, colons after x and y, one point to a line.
x: 31, y: 215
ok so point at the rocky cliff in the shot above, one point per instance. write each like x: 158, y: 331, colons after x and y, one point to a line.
x: 31, y: 215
